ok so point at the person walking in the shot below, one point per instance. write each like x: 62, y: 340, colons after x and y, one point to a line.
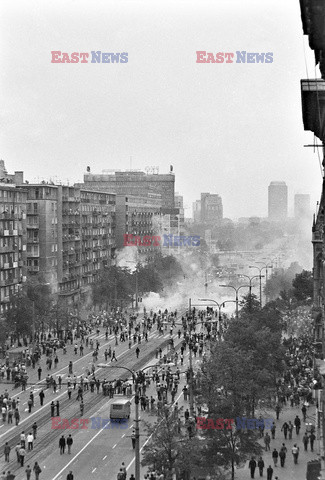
x: 133, y: 439
x: 277, y: 410
x: 275, y: 456
x: 52, y: 406
x: 312, y: 439
x: 69, y: 443
x: 30, y: 404
x: 28, y: 472
x: 252, y: 466
x: 41, y: 397
x: 17, y: 448
x: 267, y: 441
x: 282, y: 455
x: 22, y: 453
x: 34, y: 427
x: 62, y: 444
x: 295, y: 453
x: 137, y: 351
x: 37, y: 470
x: 260, y: 465
x: 7, y: 451
x: 290, y: 430
x: 30, y: 440
x: 304, y: 412
x: 269, y: 473
x: 284, y: 429
x: 273, y: 428
x: 70, y: 475
x: 305, y: 440
x: 57, y: 406
x: 39, y: 371
x: 297, y: 423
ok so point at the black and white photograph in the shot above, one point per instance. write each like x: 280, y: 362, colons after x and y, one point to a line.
x: 162, y: 248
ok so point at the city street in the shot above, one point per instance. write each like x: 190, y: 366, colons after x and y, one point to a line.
x: 93, y: 450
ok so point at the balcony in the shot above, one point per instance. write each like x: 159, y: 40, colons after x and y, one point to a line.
x: 32, y: 254
x: 33, y: 268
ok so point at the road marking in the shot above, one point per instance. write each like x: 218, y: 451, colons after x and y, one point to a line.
x: 114, y: 445
x: 105, y: 457
x: 94, y: 470
x: 77, y: 455
x: 123, y: 435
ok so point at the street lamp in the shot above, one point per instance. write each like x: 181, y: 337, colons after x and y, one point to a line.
x: 236, y: 290
x: 137, y: 419
x: 260, y: 277
x: 266, y: 266
x: 220, y: 305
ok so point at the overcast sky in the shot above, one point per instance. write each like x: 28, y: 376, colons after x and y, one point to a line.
x: 226, y: 128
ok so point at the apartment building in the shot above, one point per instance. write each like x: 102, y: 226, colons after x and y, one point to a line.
x: 13, y: 240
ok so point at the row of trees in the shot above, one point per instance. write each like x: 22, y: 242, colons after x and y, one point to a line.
x: 117, y: 285
x: 34, y: 307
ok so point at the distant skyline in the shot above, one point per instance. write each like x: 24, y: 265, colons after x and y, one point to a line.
x: 227, y: 128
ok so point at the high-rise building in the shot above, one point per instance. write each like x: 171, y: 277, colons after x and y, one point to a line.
x: 197, y: 211
x: 302, y: 206
x: 277, y: 201
x: 136, y: 183
x: 211, y: 208
x: 138, y: 216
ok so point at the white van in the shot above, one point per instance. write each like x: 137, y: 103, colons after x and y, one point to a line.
x: 120, y: 408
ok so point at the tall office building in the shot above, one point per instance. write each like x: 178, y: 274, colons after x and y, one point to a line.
x: 277, y: 201
x: 211, y: 208
x: 302, y: 206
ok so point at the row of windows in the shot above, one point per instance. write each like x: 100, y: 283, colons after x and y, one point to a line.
x: 13, y: 195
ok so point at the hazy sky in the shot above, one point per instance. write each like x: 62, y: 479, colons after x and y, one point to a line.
x: 226, y: 128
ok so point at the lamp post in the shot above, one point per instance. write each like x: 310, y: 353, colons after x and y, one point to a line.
x: 260, y: 277
x: 236, y: 290
x: 250, y: 279
x: 220, y: 306
x: 266, y: 266
x: 137, y: 419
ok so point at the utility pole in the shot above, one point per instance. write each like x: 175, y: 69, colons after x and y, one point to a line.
x: 137, y: 430
x: 260, y: 277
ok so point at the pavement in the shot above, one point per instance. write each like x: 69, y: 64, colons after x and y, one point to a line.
x: 290, y: 471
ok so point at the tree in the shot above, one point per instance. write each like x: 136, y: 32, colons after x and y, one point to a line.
x: 303, y: 286
x: 170, y: 448
x: 226, y: 387
x: 113, y: 284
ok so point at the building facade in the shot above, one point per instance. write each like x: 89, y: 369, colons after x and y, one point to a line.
x: 70, y: 236
x: 277, y: 201
x: 211, y: 208
x: 134, y: 183
x: 138, y: 216
x: 13, y: 236
x: 313, y: 112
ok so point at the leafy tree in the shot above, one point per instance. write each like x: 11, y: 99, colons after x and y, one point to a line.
x: 113, y: 284
x: 303, y: 286
x: 170, y: 448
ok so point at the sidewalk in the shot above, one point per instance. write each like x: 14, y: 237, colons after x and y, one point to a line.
x: 290, y: 471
